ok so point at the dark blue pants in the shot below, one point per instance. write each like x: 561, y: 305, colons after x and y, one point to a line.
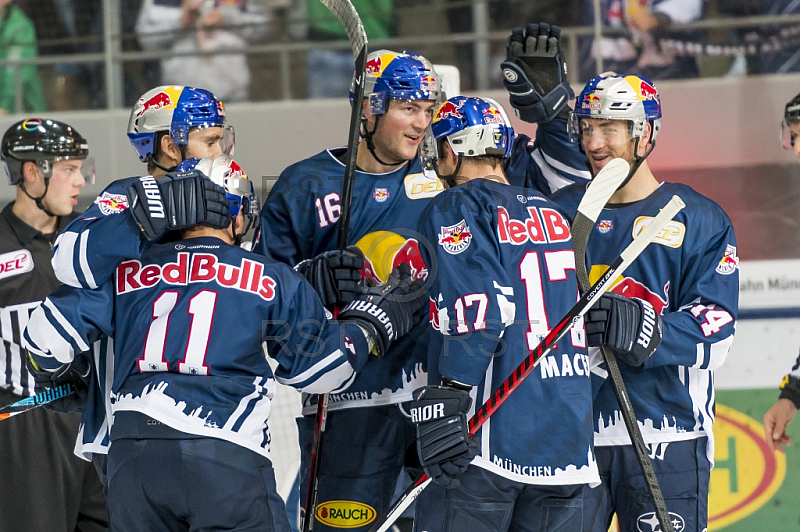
x: 364, y: 452
x: 200, y: 484
x: 683, y: 472
x: 486, y: 502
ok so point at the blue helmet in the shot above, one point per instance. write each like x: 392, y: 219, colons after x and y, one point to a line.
x: 472, y: 126
x: 400, y: 76
x: 175, y: 109
x: 239, y: 189
x: 612, y: 96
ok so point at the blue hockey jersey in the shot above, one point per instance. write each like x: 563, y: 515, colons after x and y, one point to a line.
x: 299, y: 218
x: 690, y: 274
x: 188, y: 321
x: 502, y: 274
x: 90, y: 248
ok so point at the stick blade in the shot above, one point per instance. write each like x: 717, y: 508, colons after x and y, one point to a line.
x: 602, y: 187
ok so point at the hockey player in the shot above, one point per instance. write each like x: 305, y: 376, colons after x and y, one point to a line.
x: 492, y: 297
x: 43, y: 486
x: 369, y: 422
x: 783, y: 411
x: 167, y: 125
x: 685, y: 284
x: 191, y: 389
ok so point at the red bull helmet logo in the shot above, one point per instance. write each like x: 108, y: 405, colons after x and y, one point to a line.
x: 111, y: 203
x: 729, y: 262
x: 161, y: 100
x: 591, y: 101
x: 455, y: 238
x: 492, y: 115
x: 236, y: 170
x: 447, y: 109
x: 647, y: 91
x: 374, y: 65
x: 429, y: 83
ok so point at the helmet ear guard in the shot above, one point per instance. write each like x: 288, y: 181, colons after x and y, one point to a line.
x: 791, y: 116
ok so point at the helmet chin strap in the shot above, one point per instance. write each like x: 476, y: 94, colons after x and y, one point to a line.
x: 38, y: 200
x: 371, y: 145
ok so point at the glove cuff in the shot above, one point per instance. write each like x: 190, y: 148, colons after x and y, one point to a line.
x: 790, y: 389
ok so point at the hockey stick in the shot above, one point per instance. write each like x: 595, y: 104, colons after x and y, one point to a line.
x: 586, y: 301
x: 40, y: 399
x: 348, y: 17
x: 581, y: 228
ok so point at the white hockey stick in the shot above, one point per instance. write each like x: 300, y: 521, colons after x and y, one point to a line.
x: 586, y: 301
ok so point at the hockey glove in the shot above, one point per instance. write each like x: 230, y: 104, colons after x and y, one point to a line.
x: 535, y: 74
x: 77, y: 373
x: 334, y: 275
x: 388, y: 310
x: 177, y: 201
x: 790, y: 389
x: 629, y: 326
x: 443, y: 443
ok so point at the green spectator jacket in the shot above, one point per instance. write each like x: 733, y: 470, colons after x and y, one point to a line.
x: 18, y: 41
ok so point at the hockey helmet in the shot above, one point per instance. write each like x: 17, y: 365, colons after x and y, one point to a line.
x: 399, y: 76
x: 239, y: 189
x: 791, y: 116
x: 615, y: 97
x: 471, y: 126
x: 44, y: 142
x: 175, y: 109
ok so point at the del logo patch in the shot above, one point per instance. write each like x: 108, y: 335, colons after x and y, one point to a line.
x: 15, y: 263
x: 422, y: 186
x: 729, y: 262
x: 455, y: 238
x: 345, y: 514
x: 112, y: 203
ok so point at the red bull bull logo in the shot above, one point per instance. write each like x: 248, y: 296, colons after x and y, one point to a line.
x: 381, y: 194
x: 647, y: 91
x: 604, y: 226
x: 449, y: 109
x: 111, y: 203
x: 434, y: 314
x: 374, y: 65
x: 384, y: 251
x: 729, y: 262
x: 591, y: 101
x: 429, y: 83
x: 220, y: 108
x: 455, y: 238
x: 237, y: 171
x: 492, y: 115
x: 155, y: 102
x: 632, y: 288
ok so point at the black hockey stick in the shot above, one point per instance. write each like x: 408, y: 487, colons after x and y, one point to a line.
x: 581, y: 229
x: 348, y: 17
x: 586, y: 301
x: 40, y: 399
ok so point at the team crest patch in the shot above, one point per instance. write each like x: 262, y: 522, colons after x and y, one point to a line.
x: 648, y: 522
x: 381, y: 194
x: 605, y: 226
x: 455, y: 238
x: 729, y: 262
x: 112, y: 203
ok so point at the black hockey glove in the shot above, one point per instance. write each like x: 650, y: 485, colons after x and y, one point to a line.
x: 629, y: 326
x: 390, y: 309
x: 334, y: 275
x: 177, y: 201
x: 77, y: 373
x: 790, y: 389
x: 535, y: 74
x: 443, y: 443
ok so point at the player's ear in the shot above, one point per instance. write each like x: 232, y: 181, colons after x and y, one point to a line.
x: 30, y: 172
x: 169, y: 152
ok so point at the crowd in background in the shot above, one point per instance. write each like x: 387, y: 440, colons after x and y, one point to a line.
x: 216, y: 31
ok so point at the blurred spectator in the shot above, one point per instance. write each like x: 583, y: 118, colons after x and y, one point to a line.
x: 637, y: 50
x: 18, y: 41
x: 204, y: 25
x: 330, y: 71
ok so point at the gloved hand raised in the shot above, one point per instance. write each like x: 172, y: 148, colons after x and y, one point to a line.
x: 629, y: 326
x: 389, y: 310
x: 334, y: 275
x: 177, y: 201
x: 535, y: 74
x: 443, y: 443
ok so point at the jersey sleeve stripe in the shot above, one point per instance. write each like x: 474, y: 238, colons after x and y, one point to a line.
x: 68, y: 328
x: 85, y: 269
x: 62, y: 259
x: 555, y: 180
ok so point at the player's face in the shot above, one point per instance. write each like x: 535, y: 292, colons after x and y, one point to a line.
x: 205, y: 143
x: 401, y: 129
x: 794, y: 129
x: 65, y: 185
x: 604, y: 140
